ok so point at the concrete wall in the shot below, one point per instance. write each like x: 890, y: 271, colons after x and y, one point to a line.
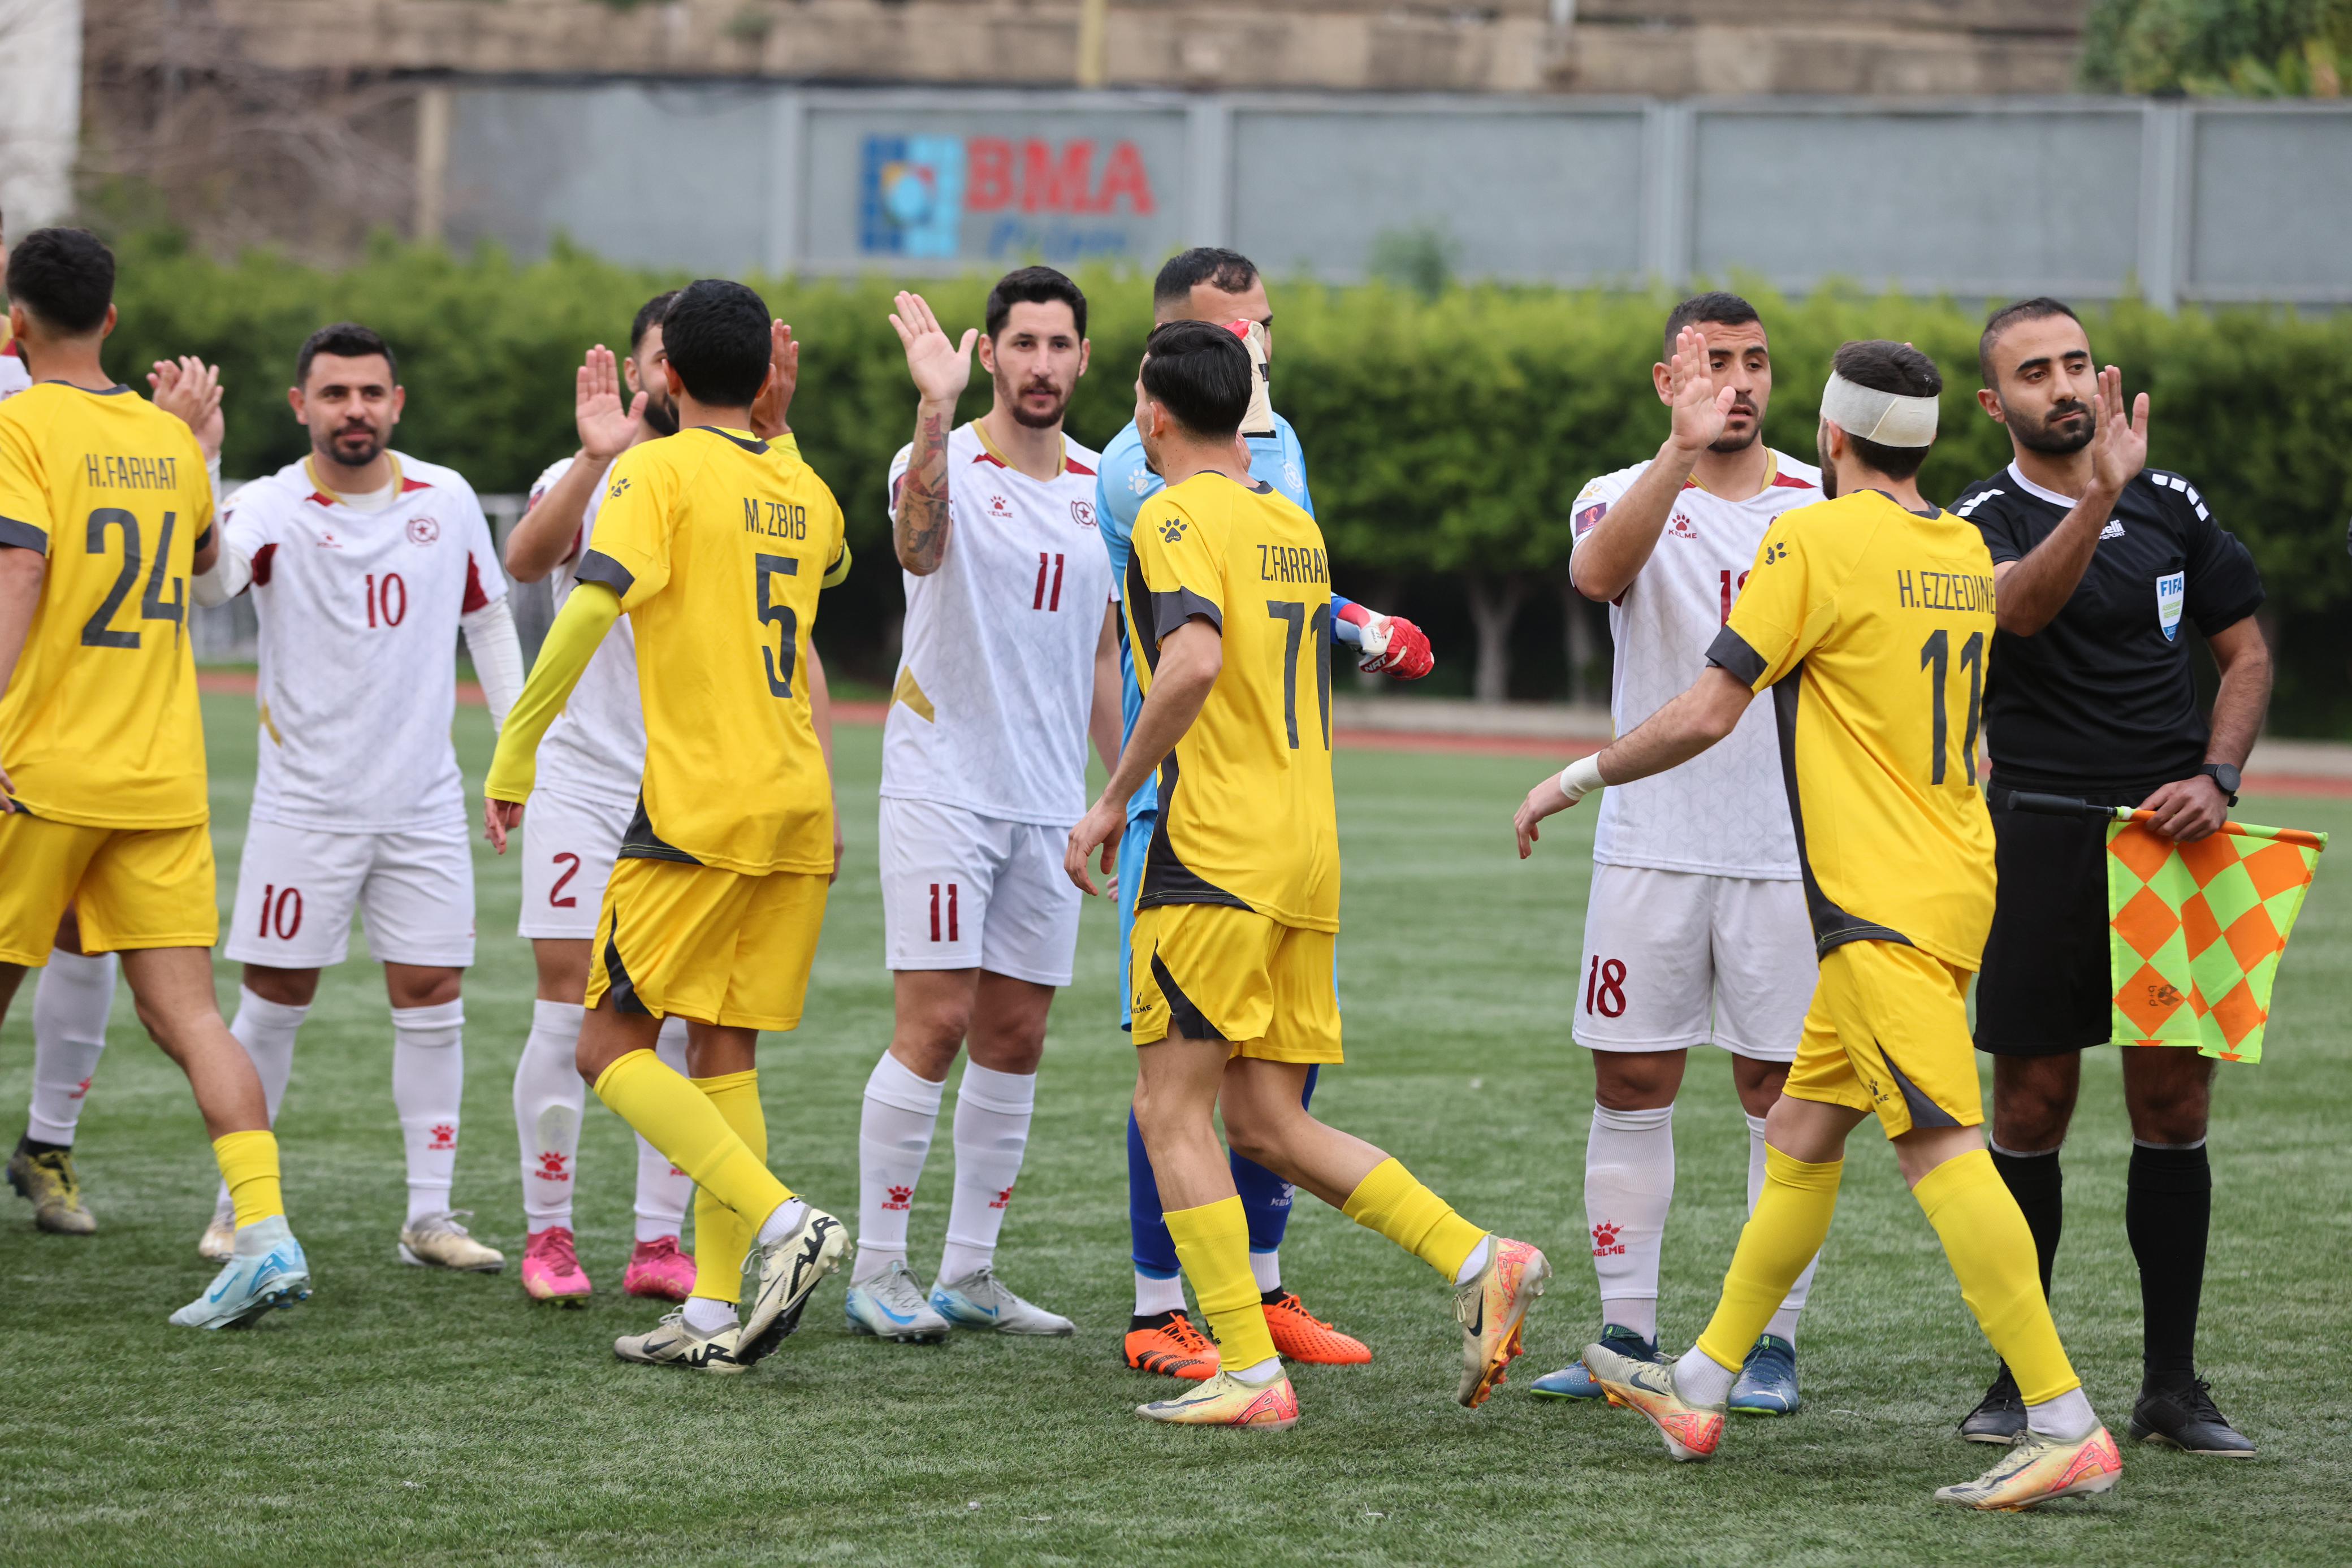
x: 2089, y: 197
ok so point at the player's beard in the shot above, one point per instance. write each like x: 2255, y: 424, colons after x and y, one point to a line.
x: 337, y: 452
x: 1829, y: 470
x: 1730, y: 443
x: 1023, y: 416
x: 2039, y: 435
x: 660, y: 414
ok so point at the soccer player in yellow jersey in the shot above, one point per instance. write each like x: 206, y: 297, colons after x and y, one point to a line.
x: 1226, y: 598
x: 1869, y: 615
x: 105, y: 514
x: 716, y: 543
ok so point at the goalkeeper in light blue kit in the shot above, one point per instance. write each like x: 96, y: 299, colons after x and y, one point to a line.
x: 1221, y: 286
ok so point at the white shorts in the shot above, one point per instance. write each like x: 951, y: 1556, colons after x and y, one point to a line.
x: 961, y: 891
x: 568, y: 849
x: 297, y: 890
x: 1676, y: 959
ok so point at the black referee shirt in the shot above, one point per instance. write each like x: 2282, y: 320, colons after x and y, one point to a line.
x: 2103, y: 697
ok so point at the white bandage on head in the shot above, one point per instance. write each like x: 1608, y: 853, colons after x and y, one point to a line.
x: 1888, y: 418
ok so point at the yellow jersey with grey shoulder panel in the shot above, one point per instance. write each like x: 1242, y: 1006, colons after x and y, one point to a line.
x: 718, y: 545
x: 1872, y: 623
x: 99, y: 725
x: 1245, y: 814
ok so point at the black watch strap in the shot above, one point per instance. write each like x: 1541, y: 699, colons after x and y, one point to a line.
x: 2224, y: 775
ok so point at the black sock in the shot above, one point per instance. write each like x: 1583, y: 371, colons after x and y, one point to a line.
x: 2040, y: 1189
x: 32, y: 1146
x: 2168, y: 1209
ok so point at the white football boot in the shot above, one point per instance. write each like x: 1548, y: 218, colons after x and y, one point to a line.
x: 266, y: 1271
x: 438, y: 1241
x: 891, y: 1306
x: 778, y: 1277
x: 981, y: 1301
x: 672, y: 1344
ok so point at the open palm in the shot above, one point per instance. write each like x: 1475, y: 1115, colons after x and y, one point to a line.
x: 1700, y: 408
x: 604, y: 423
x: 2119, y: 448
x: 941, y: 366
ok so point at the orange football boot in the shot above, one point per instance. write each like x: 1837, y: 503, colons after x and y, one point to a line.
x: 1171, y: 1347
x: 1300, y: 1335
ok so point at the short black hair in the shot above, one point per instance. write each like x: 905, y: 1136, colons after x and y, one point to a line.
x: 1033, y: 286
x: 64, y: 279
x: 1889, y: 366
x: 2040, y: 308
x: 1201, y: 373
x: 345, y: 340
x: 1228, y: 270
x: 717, y: 335
x: 1729, y: 309
x: 649, y: 316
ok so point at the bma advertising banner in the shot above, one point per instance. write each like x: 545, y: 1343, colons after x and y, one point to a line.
x: 974, y: 188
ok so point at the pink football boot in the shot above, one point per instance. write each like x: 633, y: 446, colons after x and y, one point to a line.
x: 658, y: 1270
x: 550, y: 1269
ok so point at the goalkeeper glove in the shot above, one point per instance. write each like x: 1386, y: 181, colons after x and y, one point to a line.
x: 1259, y: 418
x: 1393, y: 646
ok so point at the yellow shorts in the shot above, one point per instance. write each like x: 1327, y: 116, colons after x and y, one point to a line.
x: 130, y: 887
x: 1211, y: 971
x: 1888, y: 1032
x: 714, y: 945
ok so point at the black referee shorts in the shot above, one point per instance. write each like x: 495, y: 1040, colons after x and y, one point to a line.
x: 2044, y: 988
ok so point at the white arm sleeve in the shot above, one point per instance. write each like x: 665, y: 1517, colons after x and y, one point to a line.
x: 232, y: 571
x: 498, y: 655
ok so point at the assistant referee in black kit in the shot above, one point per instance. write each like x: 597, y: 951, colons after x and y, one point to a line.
x: 2101, y: 572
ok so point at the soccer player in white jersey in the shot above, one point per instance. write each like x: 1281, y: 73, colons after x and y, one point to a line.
x: 364, y: 565
x: 591, y: 765
x: 1011, y: 662
x: 1696, y: 932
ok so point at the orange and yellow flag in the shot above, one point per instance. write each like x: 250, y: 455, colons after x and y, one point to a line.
x: 2195, y: 931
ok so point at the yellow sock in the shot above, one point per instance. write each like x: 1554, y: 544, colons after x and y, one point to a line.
x: 720, y: 1239
x: 1393, y: 1203
x: 1791, y: 1222
x: 1991, y: 1252
x: 248, y: 1164
x: 1212, y: 1243
x: 681, y: 1122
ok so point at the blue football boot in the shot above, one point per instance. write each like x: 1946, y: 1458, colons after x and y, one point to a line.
x: 1574, y: 1382
x: 267, y: 1271
x: 1768, y: 1382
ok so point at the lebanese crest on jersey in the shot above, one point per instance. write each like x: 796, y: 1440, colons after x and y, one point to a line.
x: 1171, y: 528
x: 1082, y: 514
x: 422, y: 530
x: 2171, y: 592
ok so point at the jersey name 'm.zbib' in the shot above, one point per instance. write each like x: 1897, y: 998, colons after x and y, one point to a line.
x: 995, y: 687
x: 359, y: 645
x: 1725, y: 813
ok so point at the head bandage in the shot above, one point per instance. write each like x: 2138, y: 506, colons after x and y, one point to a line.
x: 1887, y: 418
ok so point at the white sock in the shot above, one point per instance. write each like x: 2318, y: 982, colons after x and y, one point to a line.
x: 548, y: 1099
x: 1784, y: 1322
x: 267, y: 1030
x: 1258, y: 1372
x: 992, y: 1132
x: 1479, y: 1257
x: 707, y: 1317
x: 1154, y: 1296
x: 1629, y: 1184
x: 2069, y: 1417
x: 787, y: 1218
x: 1701, y: 1379
x: 663, y: 1189
x: 894, y: 1137
x: 1265, y: 1268
x: 428, y: 1083
x: 70, y: 1002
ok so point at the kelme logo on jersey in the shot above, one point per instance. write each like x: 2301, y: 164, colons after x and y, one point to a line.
x: 1171, y: 528
x: 2172, y: 592
x: 618, y: 486
x: 1780, y: 551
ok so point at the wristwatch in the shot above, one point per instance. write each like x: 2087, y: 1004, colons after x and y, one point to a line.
x: 2224, y: 775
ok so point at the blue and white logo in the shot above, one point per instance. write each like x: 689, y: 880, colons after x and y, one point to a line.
x: 912, y: 202
x: 2170, y: 593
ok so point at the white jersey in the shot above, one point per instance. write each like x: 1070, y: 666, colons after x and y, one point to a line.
x: 14, y: 377
x: 359, y: 616
x: 594, y: 752
x: 1725, y: 813
x: 996, y: 682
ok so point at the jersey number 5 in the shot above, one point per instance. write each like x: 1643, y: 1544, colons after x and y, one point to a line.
x: 1935, y: 656
x: 779, y: 666
x: 97, y: 632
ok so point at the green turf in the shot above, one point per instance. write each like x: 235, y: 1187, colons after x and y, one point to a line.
x: 417, y: 1416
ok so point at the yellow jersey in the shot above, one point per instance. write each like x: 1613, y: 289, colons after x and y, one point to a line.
x: 99, y: 725
x: 1872, y: 624
x: 718, y: 545
x: 1245, y: 811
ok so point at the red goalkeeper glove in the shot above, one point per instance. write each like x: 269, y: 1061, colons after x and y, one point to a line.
x: 1393, y: 646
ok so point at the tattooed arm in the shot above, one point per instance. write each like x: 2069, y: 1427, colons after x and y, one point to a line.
x: 940, y: 370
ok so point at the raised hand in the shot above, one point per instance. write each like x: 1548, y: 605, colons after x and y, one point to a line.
x: 605, y: 427
x: 190, y: 390
x: 1700, y: 407
x: 2119, y: 447
x: 941, y: 367
x: 775, y: 399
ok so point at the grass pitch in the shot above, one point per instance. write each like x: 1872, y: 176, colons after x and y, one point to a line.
x: 418, y: 1417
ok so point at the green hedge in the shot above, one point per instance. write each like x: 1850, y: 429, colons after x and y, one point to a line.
x: 1447, y: 436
